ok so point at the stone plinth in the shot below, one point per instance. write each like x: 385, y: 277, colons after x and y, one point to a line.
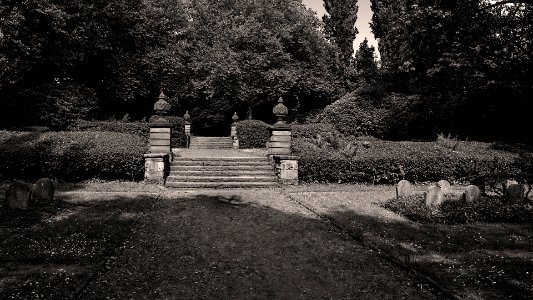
x: 280, y: 140
x: 160, y: 136
x: 286, y: 168
x: 156, y: 167
x: 233, y: 133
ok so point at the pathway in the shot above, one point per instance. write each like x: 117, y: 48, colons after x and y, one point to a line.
x: 248, y: 244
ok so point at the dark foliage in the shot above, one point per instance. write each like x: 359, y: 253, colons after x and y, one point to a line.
x: 72, y: 156
x: 456, y: 211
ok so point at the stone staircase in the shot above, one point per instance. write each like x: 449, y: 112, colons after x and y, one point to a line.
x: 201, y: 142
x: 212, y: 163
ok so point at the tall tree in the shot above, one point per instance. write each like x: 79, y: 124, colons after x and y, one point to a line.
x: 365, y: 61
x: 340, y: 25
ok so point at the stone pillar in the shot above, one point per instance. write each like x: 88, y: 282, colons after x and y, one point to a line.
x: 280, y: 133
x: 233, y: 133
x: 187, y: 119
x: 157, y: 160
x: 279, y: 147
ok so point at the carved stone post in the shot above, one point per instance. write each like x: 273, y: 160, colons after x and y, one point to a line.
x: 233, y: 133
x: 279, y: 147
x: 187, y: 119
x: 280, y: 133
x: 157, y: 160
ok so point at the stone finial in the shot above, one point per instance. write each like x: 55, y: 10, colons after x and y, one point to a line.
x: 281, y: 111
x: 162, y: 107
x: 235, y: 118
x: 186, y: 116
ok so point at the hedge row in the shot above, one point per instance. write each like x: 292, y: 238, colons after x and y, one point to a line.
x: 252, y: 134
x: 72, y: 156
x: 386, y: 162
x: 141, y: 129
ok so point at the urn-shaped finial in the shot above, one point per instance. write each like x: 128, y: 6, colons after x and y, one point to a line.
x: 280, y: 111
x: 187, y: 117
x: 235, y: 118
x: 162, y: 107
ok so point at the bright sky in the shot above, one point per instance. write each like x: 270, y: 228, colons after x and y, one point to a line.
x: 364, y: 16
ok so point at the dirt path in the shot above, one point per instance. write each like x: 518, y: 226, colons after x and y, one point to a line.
x: 246, y: 244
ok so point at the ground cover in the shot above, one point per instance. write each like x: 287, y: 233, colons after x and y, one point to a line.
x: 234, y: 244
x: 475, y: 260
x: 52, y: 251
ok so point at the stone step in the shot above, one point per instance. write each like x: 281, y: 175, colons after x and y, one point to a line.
x: 220, y: 184
x: 268, y: 178
x: 208, y: 172
x: 219, y: 163
x: 221, y: 168
x: 237, y: 159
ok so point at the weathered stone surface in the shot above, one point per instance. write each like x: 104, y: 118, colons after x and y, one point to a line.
x: 18, y: 196
x: 445, y: 186
x: 156, y: 167
x: 515, y: 193
x: 404, y: 189
x: 472, y: 194
x: 434, y: 196
x: 288, y: 171
x: 43, y: 190
x: 508, y: 183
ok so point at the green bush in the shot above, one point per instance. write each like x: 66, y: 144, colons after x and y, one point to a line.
x: 387, y: 162
x: 455, y: 211
x: 352, y: 115
x: 72, y: 156
x: 252, y: 134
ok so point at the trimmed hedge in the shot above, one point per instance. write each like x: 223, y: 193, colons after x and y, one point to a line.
x: 141, y: 129
x: 72, y: 156
x: 386, y: 162
x: 252, y: 134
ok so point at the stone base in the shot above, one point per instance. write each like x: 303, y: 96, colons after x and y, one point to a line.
x: 235, y: 143
x: 156, y: 167
x: 286, y: 168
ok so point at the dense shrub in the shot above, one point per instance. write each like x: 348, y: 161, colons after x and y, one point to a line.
x: 252, y: 134
x: 311, y: 130
x: 454, y: 211
x: 141, y: 129
x: 387, y: 162
x: 71, y: 156
x: 353, y: 116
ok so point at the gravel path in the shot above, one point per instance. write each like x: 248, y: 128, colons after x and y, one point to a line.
x: 247, y: 244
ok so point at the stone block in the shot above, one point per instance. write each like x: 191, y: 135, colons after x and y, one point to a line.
x: 160, y: 136
x: 286, y: 167
x: 43, y: 191
x: 515, y: 194
x: 187, y: 129
x: 404, y: 189
x: 472, y: 194
x: 434, y: 196
x: 154, y: 142
x: 235, y: 143
x: 445, y: 186
x: 160, y: 130
x: 156, y: 167
x: 280, y: 138
x: 18, y: 196
x: 281, y: 132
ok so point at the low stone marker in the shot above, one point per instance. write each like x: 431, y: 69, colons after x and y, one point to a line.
x: 515, y: 194
x: 444, y: 185
x: 434, y: 196
x: 508, y: 183
x: 472, y: 194
x: 404, y: 189
x: 17, y: 196
x: 43, y: 190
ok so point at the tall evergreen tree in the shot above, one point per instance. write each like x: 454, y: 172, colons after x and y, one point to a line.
x: 365, y: 63
x: 340, y: 25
